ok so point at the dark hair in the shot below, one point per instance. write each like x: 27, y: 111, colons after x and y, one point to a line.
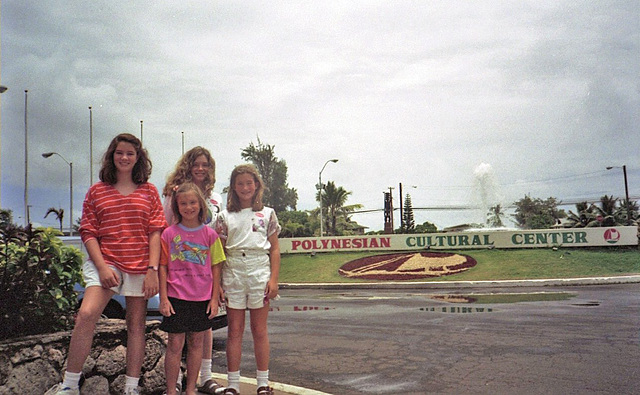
x: 141, y: 169
x: 182, y: 172
x: 233, y: 203
x: 184, y: 188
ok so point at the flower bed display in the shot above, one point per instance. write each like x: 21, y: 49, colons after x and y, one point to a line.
x: 406, y: 266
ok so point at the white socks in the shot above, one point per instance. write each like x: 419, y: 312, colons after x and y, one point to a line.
x: 233, y: 379
x: 71, y: 380
x: 262, y: 377
x: 131, y: 383
x: 205, y: 371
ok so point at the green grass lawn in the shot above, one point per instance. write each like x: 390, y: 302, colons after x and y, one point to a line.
x: 505, y: 264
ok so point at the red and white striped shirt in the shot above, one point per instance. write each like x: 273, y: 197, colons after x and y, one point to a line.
x: 122, y: 224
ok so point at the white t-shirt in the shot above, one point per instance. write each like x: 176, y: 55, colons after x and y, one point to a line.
x: 248, y: 230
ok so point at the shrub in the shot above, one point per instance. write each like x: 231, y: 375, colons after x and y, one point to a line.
x: 37, y: 277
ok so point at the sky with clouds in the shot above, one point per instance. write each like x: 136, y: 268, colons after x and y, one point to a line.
x: 512, y: 98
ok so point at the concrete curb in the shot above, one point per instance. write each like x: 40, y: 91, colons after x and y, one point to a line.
x: 278, y: 387
x: 628, y: 279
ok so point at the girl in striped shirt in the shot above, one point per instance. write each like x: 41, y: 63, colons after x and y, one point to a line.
x: 122, y: 219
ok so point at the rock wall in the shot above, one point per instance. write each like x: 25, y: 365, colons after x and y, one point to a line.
x: 32, y: 364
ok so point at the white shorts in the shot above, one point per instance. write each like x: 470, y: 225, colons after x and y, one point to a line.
x: 244, y: 280
x: 130, y: 284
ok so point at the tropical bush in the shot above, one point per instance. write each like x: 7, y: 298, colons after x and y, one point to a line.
x: 37, y: 277
x: 591, y: 215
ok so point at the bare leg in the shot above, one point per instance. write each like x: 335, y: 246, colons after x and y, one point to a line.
x: 260, y: 336
x: 207, y: 345
x: 172, y: 360
x: 194, y: 359
x: 94, y: 301
x: 235, y: 330
x: 136, y: 324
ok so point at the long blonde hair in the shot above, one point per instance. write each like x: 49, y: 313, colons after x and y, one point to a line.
x: 233, y: 202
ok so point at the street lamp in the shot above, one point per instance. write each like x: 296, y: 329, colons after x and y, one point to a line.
x: 90, y: 146
x: 626, y: 190
x: 320, y: 190
x: 49, y: 154
x: 26, y: 162
x: 3, y: 89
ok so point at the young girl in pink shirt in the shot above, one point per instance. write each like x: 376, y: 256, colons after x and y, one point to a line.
x: 189, y: 283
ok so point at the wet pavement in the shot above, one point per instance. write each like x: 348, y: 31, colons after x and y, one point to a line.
x: 457, y: 339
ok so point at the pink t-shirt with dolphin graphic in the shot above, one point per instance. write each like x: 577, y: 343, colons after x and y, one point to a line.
x: 189, y: 254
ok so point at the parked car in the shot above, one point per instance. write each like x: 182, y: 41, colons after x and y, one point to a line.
x: 117, y: 306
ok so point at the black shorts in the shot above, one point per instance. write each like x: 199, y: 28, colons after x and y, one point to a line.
x: 189, y: 317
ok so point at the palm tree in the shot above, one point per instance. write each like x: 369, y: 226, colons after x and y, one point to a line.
x: 333, y: 200
x: 495, y: 215
x: 608, y: 204
x: 626, y: 212
x: 59, y: 214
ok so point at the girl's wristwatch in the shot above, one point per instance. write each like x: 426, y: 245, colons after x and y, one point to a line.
x: 154, y: 268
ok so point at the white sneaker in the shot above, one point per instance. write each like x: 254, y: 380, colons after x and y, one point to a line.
x: 58, y: 389
x: 132, y: 391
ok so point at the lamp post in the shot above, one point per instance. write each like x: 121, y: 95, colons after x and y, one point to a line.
x: 3, y: 89
x: 626, y: 190
x: 26, y: 162
x: 320, y: 190
x: 49, y: 154
x: 90, y: 146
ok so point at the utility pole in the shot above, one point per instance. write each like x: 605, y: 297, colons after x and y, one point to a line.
x: 90, y: 146
x: 26, y: 162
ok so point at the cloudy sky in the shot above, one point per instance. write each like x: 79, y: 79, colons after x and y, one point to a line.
x: 513, y: 97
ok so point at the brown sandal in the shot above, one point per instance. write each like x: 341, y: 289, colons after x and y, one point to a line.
x: 230, y: 391
x: 265, y: 390
x: 211, y: 387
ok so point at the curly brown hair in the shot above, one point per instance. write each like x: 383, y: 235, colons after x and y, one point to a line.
x: 142, y: 168
x: 182, y: 172
x: 233, y: 202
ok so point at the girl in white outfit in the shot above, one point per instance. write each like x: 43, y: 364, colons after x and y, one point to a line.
x: 249, y: 231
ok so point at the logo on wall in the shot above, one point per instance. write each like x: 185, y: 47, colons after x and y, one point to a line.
x: 611, y: 236
x: 407, y: 266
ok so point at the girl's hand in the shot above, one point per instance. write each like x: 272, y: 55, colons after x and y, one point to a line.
x: 271, y: 292
x: 212, y: 308
x: 221, y: 298
x: 166, y: 309
x: 108, y: 278
x: 150, y: 285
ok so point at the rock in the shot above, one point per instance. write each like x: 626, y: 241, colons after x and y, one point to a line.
x: 95, y: 385
x: 34, y: 377
x: 112, y: 362
x: 33, y: 364
x: 27, y: 354
x: 154, y: 380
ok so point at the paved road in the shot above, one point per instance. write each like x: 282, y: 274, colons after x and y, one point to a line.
x: 568, y: 340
